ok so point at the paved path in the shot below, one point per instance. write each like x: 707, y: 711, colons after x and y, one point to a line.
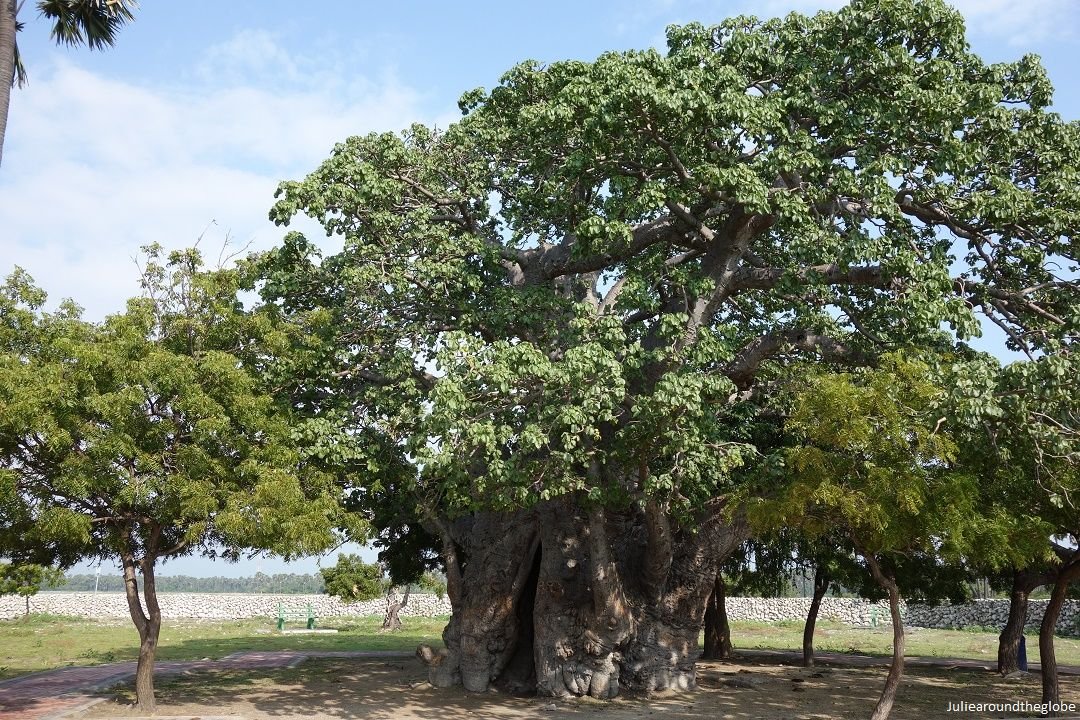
x: 52, y: 694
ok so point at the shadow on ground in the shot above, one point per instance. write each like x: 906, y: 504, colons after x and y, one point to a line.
x: 742, y: 690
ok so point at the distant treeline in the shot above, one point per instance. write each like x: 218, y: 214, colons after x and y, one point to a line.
x: 282, y: 583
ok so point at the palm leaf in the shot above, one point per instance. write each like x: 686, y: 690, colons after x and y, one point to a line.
x: 93, y: 22
x: 19, y: 78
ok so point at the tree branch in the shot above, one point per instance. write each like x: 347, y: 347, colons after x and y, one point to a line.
x: 749, y: 359
x: 765, y: 278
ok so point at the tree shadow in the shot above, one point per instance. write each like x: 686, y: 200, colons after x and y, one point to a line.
x: 741, y: 690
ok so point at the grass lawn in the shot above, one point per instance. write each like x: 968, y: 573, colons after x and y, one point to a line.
x: 976, y: 644
x: 40, y: 642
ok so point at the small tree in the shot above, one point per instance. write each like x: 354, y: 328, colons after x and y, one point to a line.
x: 150, y: 436
x: 432, y: 583
x: 867, y: 461
x: 354, y: 580
x: 27, y: 580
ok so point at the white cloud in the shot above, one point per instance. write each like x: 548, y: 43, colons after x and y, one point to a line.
x: 95, y: 168
x: 1020, y: 22
x: 1014, y: 22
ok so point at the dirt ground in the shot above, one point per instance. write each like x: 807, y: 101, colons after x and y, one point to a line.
x: 742, y: 690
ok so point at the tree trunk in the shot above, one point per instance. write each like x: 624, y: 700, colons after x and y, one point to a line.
x: 566, y: 600
x: 27, y: 597
x: 1009, y: 640
x: 717, y: 629
x: 147, y: 622
x: 581, y: 617
x: 7, y: 64
x: 896, y: 668
x: 663, y: 647
x: 1047, y: 659
x: 821, y: 586
x: 489, y: 559
x: 392, y: 621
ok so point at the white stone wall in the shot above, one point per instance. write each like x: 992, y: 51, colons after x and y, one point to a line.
x: 850, y: 611
x: 223, y: 606
x: 220, y: 606
x: 853, y: 611
x: 992, y: 613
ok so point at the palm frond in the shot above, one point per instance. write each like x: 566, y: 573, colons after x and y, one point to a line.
x: 93, y: 22
x: 19, y: 78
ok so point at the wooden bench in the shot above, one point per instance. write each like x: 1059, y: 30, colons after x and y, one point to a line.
x: 284, y: 614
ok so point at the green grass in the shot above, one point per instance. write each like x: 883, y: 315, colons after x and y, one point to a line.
x: 976, y: 644
x: 41, y: 642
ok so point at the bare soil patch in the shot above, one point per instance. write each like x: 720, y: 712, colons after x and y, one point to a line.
x: 740, y: 690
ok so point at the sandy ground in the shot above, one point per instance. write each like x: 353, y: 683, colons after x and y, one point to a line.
x: 741, y: 690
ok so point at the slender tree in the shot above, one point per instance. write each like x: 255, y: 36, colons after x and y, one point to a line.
x: 94, y: 23
x: 869, y: 463
x: 27, y: 580
x: 717, y: 645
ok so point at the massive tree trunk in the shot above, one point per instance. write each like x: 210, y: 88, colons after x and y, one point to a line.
x: 566, y: 599
x: 581, y: 618
x: 896, y: 668
x: 489, y: 561
x: 717, y: 628
x: 1047, y: 659
x: 821, y: 586
x: 7, y: 64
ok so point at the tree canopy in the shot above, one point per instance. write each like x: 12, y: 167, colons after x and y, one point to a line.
x: 354, y: 580
x: 601, y: 258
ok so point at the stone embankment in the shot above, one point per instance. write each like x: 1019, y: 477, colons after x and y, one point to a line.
x: 217, y: 606
x: 223, y: 606
x: 858, y: 612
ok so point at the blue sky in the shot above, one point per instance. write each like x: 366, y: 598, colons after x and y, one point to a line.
x: 185, y: 128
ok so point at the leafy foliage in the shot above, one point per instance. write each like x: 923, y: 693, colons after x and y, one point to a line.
x: 27, y: 580
x: 354, y: 580
x: 146, y: 435
x: 151, y: 435
x: 588, y: 285
x: 869, y: 461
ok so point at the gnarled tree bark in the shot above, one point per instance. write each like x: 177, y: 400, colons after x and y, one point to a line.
x: 566, y: 599
x: 485, y: 588
x: 392, y: 619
